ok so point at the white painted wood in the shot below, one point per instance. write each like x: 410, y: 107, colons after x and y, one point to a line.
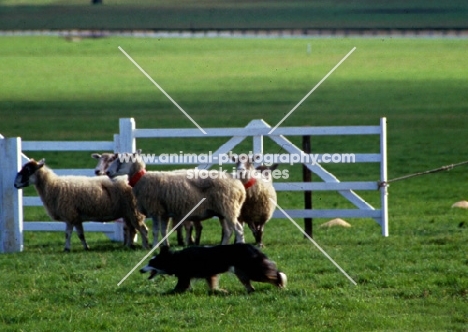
x: 11, y: 200
x: 383, y: 177
x: 59, y: 226
x: 324, y: 186
x: 350, y: 213
x: 226, y: 132
x: 67, y: 146
x: 257, y: 140
x: 32, y: 201
x: 127, y: 142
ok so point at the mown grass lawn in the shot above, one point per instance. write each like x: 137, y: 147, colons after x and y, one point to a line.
x: 416, y: 279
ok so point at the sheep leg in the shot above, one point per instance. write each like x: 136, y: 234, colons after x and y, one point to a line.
x: 227, y: 231
x: 257, y: 231
x: 134, y: 225
x: 188, y: 230
x: 239, y: 230
x: 164, y: 226
x: 144, y: 234
x: 198, y: 231
x: 80, y: 231
x: 259, y: 234
x: 180, y: 235
x: 68, y: 235
x: 156, y: 225
x: 129, y: 233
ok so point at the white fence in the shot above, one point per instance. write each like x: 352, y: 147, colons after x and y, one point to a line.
x: 12, y: 158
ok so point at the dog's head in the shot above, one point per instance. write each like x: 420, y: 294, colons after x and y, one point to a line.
x: 159, y: 264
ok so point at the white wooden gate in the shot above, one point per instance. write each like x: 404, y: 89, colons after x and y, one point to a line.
x: 12, y: 158
x: 259, y: 129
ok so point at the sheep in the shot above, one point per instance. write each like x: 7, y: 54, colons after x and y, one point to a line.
x: 161, y: 195
x: 260, y: 198
x: 74, y: 199
x: 104, y: 161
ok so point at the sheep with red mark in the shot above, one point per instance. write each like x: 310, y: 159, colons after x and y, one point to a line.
x: 164, y: 195
x: 104, y: 161
x: 260, y: 201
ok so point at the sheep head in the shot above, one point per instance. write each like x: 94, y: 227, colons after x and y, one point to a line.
x: 126, y: 164
x: 104, y: 161
x: 26, y: 175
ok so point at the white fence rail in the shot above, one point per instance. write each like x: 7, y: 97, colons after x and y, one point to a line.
x: 12, y: 158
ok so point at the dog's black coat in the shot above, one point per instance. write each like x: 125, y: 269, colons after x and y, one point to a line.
x: 248, y: 263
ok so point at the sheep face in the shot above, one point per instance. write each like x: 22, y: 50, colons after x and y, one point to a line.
x: 104, y: 161
x: 26, y: 175
x: 125, y: 164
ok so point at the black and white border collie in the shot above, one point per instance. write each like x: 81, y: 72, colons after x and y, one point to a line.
x: 246, y: 261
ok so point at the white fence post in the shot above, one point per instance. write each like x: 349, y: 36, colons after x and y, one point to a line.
x: 11, y: 202
x: 383, y: 176
x: 127, y: 142
x: 257, y: 139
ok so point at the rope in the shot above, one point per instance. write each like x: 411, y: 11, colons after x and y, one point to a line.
x: 440, y: 169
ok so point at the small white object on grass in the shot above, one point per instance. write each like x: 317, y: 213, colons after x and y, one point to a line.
x: 461, y: 204
x: 336, y: 222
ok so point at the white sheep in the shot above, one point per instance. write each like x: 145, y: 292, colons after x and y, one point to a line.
x: 74, y: 199
x: 104, y: 161
x: 162, y: 195
x: 260, y: 198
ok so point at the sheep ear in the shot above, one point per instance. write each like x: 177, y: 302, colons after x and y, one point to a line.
x: 96, y: 156
x: 41, y: 163
x: 138, y: 152
x: 273, y: 167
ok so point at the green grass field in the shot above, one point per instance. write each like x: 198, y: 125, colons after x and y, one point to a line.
x: 232, y: 14
x: 414, y: 280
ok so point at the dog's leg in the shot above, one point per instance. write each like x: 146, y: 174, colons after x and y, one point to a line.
x: 244, y: 279
x: 183, y: 284
x: 213, y: 284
